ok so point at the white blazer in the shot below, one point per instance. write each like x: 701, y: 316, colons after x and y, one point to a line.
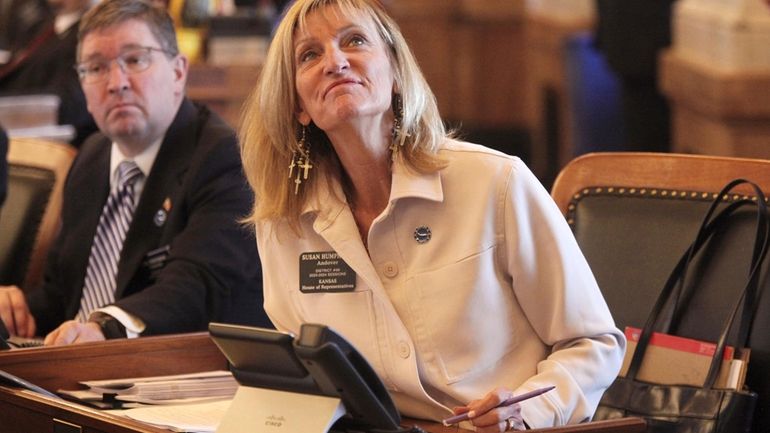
x: 500, y: 294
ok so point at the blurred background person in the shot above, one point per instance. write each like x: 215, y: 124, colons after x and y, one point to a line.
x: 20, y: 22
x: 45, y: 64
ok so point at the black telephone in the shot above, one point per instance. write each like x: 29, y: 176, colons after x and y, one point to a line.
x: 319, y: 361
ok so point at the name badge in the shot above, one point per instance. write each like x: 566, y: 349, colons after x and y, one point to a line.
x: 325, y: 271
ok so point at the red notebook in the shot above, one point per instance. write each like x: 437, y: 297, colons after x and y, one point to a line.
x: 679, y: 343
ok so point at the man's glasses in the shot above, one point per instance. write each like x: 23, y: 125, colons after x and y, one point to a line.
x: 132, y: 61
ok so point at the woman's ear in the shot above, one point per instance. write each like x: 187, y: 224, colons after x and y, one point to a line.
x: 302, y: 116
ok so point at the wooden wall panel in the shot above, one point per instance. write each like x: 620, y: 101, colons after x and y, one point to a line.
x: 473, y: 56
x: 716, y: 112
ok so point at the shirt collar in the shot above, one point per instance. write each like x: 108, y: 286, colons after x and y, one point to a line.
x: 328, y: 201
x: 409, y: 183
x: 144, y: 160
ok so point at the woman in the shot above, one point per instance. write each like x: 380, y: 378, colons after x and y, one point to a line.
x: 445, y: 263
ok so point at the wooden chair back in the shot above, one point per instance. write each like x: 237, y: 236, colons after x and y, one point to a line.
x: 29, y: 220
x: 634, y: 215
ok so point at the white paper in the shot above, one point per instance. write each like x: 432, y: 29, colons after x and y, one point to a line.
x: 176, y: 401
x: 735, y: 374
x: 219, y: 384
x: 126, y: 382
x: 197, y: 417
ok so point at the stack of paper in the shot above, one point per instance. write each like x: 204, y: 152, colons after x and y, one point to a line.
x: 198, y: 418
x: 183, y: 388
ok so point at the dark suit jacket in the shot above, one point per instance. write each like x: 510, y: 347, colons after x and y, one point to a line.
x: 212, y: 271
x: 50, y: 69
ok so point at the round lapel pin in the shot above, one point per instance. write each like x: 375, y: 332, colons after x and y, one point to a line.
x: 422, y: 234
x: 160, y: 217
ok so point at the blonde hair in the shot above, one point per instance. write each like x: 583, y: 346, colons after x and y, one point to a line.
x: 269, y: 129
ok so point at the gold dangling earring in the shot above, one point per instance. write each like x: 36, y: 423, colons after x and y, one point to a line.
x: 301, y: 160
x: 398, y: 124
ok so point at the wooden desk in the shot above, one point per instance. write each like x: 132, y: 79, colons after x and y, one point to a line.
x: 621, y: 425
x: 63, y: 367
x: 26, y: 412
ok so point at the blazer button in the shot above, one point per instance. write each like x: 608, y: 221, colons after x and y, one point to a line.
x: 390, y: 269
x: 403, y: 349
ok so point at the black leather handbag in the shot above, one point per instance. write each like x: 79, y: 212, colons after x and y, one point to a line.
x: 686, y: 408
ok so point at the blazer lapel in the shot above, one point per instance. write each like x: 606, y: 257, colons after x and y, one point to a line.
x: 87, y: 206
x: 163, y: 183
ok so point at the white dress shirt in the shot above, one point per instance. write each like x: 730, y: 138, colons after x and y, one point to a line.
x: 134, y: 325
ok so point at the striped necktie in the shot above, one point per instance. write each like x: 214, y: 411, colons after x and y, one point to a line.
x: 99, y: 288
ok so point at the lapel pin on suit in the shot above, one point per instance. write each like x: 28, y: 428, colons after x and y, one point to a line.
x: 422, y: 234
x: 161, y: 214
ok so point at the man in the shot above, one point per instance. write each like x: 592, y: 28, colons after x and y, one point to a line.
x: 44, y: 65
x: 186, y: 260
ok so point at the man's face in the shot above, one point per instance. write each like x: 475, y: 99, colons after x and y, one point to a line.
x: 132, y: 108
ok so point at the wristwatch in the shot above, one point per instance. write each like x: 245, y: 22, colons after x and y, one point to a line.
x: 110, y: 326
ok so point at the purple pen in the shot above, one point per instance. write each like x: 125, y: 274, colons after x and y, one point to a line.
x: 507, y: 402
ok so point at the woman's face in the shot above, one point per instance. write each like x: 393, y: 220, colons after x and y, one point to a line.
x: 344, y: 73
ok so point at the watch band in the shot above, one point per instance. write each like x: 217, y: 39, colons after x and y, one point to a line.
x: 110, y: 326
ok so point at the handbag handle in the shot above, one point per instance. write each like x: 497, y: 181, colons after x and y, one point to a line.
x: 761, y: 243
x: 674, y: 285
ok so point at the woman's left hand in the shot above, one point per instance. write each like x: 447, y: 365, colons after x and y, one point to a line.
x: 487, y: 417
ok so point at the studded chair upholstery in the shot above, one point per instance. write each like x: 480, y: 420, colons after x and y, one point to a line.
x: 634, y: 214
x: 29, y: 218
